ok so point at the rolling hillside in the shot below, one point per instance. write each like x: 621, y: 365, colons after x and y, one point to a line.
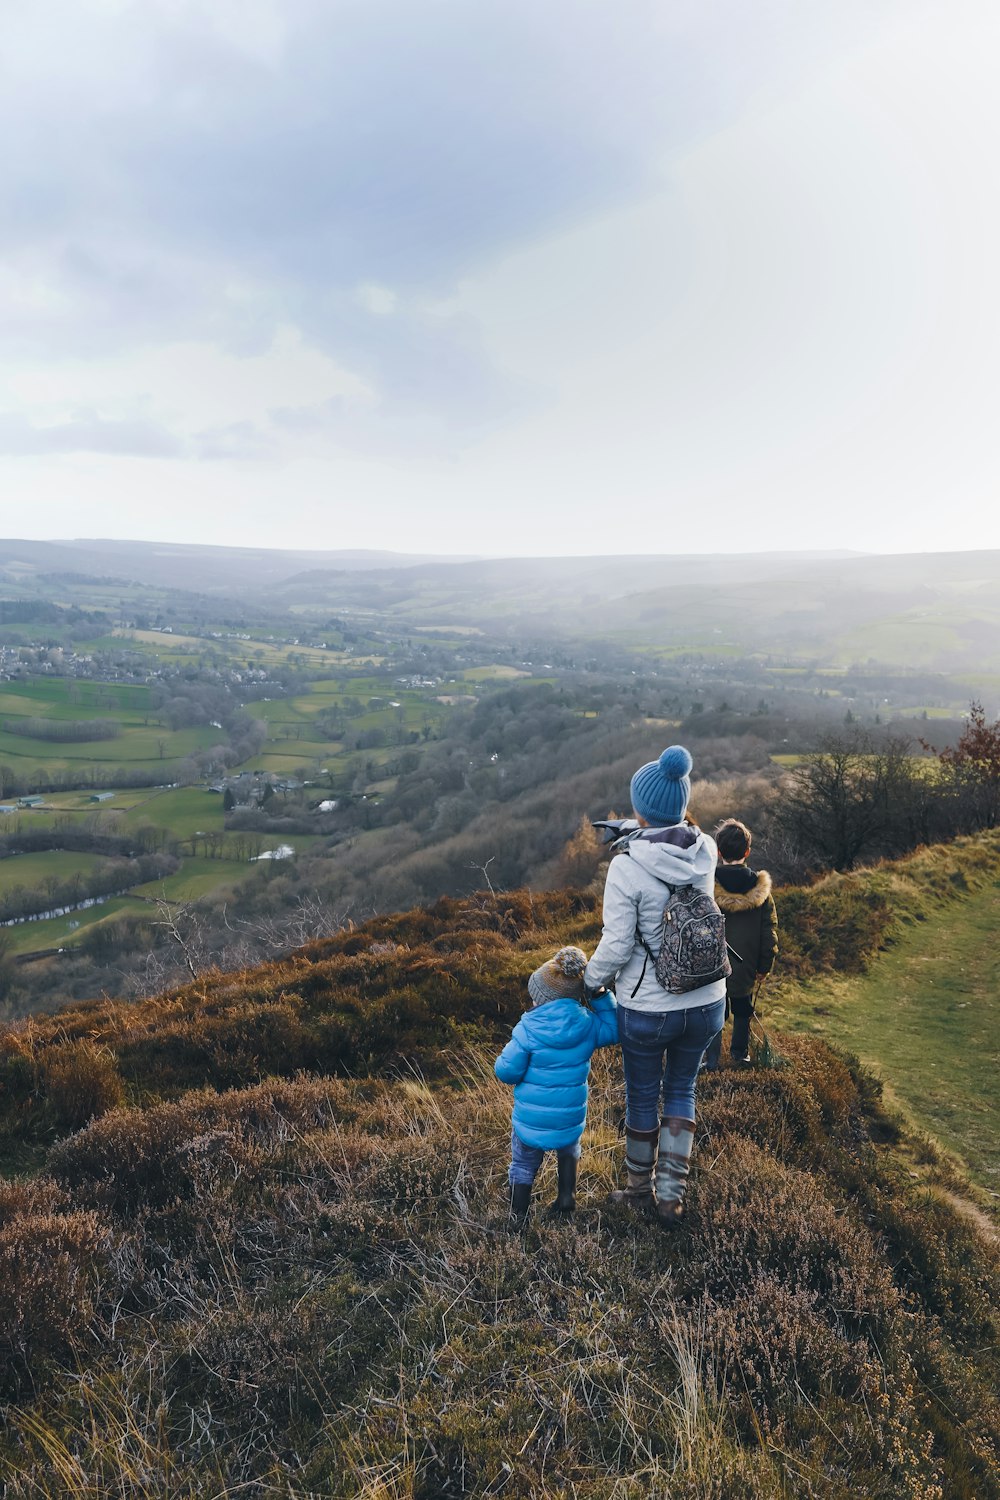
x: 933, y: 612
x: 275, y: 1260
x: 927, y: 1018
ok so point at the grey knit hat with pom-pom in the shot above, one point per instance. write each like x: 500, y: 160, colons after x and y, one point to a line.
x: 560, y: 979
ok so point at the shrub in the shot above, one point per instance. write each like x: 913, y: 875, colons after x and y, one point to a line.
x: 50, y: 1265
x: 80, y: 1082
x: 339, y: 1311
x: 134, y: 1158
x: 24, y: 1197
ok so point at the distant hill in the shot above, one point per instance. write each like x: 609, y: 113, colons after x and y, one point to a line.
x: 930, y: 611
x: 188, y: 567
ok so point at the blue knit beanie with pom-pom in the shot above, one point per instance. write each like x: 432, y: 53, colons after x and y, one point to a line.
x: 661, y: 788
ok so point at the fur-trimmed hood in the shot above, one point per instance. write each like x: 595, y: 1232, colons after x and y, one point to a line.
x: 741, y: 900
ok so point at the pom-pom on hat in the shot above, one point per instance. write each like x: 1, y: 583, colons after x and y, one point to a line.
x: 560, y: 979
x: 661, y: 788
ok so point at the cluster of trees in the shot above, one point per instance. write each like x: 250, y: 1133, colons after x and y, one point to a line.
x: 972, y: 769
x: 64, y: 731
x: 27, y: 619
x: 93, y: 836
x: 112, y: 877
x: 15, y: 782
x: 866, y: 795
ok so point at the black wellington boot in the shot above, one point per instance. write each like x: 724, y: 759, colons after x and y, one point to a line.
x: 565, y: 1201
x: 520, y: 1200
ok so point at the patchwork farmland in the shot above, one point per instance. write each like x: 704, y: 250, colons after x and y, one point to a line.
x: 84, y: 760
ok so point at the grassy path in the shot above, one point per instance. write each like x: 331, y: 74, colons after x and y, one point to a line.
x: 927, y: 1019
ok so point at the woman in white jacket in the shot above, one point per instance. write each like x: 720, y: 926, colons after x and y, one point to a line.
x: 663, y: 1035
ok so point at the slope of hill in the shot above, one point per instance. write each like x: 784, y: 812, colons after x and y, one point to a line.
x: 302, y: 1285
x: 927, y: 1016
x: 178, y: 565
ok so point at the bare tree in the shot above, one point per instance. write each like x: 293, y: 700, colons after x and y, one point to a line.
x: 182, y: 925
x: 484, y: 870
x: 850, y: 798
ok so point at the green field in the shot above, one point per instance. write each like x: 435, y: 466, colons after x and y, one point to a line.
x: 136, y: 743
x: 287, y: 761
x: 494, y: 674
x: 296, y: 745
x: 198, y: 877
x: 141, y: 739
x: 295, y: 741
x: 923, y: 710
x: 184, y: 810
x: 179, y: 649
x: 32, y: 870
x: 59, y: 932
x: 68, y: 698
x: 913, y: 637
x: 927, y: 1019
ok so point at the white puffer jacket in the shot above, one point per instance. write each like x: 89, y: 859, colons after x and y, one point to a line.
x: 634, y: 896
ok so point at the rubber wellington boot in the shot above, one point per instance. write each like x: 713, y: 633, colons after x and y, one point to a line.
x: 520, y: 1200
x: 640, y: 1158
x: 673, y: 1164
x: 565, y: 1201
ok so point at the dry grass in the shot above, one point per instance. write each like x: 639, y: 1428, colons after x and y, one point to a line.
x: 405, y: 989
x: 306, y: 1288
x: 303, y: 1285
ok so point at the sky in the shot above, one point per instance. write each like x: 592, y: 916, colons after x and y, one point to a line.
x: 504, y: 277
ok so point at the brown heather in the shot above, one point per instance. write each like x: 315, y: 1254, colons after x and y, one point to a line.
x: 300, y: 1284
x: 402, y: 989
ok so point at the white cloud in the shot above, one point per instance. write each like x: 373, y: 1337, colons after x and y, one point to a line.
x: 798, y: 335
x: 187, y: 387
x: 380, y: 300
x: 674, y: 275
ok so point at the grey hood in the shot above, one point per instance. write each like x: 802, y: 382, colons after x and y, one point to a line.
x: 676, y: 855
x: 634, y: 897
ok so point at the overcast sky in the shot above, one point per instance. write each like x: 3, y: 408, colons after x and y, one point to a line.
x: 501, y: 276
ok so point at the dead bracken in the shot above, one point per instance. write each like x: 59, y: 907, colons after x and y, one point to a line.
x: 243, y: 1271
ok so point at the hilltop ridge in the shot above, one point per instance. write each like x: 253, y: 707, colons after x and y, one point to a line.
x: 302, y: 1284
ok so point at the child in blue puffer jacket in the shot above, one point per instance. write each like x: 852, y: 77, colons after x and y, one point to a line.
x: 548, y: 1061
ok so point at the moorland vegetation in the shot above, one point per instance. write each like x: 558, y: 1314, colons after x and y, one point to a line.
x: 257, y: 1243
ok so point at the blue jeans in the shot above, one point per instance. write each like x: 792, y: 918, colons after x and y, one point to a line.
x: 526, y: 1160
x: 661, y: 1053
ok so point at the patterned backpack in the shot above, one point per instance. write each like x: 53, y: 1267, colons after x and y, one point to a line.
x: 692, y: 948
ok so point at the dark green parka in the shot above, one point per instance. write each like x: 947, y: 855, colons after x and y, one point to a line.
x: 745, y: 899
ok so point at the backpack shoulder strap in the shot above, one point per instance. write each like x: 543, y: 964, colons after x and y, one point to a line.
x: 638, y: 932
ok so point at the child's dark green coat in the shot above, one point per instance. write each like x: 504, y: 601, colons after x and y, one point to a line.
x: 745, y: 899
